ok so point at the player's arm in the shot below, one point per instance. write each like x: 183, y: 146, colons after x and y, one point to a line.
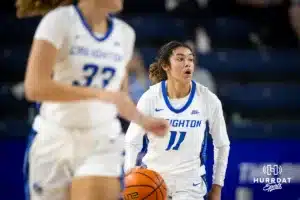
x: 133, y: 145
x: 124, y: 86
x: 134, y: 136
x: 39, y: 86
x: 221, y: 146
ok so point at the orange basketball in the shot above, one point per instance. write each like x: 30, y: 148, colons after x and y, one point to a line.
x: 144, y: 184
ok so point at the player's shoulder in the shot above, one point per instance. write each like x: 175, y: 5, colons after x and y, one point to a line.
x: 123, y: 26
x: 155, y: 90
x: 60, y: 15
x: 61, y: 11
x: 151, y: 93
x: 208, y: 95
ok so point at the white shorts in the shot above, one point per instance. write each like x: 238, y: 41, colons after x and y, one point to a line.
x: 187, y: 185
x: 57, y: 155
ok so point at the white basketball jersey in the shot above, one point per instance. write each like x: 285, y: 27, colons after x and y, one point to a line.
x: 191, y: 119
x: 85, y: 59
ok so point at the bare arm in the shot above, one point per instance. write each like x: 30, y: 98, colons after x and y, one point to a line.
x: 124, y: 86
x: 48, y: 40
x: 39, y: 85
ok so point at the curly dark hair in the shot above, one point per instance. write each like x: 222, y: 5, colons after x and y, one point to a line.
x: 156, y: 71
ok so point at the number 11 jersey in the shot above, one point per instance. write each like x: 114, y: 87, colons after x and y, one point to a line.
x: 85, y: 59
x: 191, y: 120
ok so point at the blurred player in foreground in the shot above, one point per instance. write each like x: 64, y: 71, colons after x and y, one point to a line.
x: 75, y: 69
x: 193, y: 112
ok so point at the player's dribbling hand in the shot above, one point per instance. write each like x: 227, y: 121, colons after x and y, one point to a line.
x: 215, y: 193
x: 156, y: 126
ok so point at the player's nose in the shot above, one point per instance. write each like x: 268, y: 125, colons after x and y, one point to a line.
x: 187, y: 64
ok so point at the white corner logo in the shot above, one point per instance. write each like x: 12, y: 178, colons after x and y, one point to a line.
x: 272, y: 178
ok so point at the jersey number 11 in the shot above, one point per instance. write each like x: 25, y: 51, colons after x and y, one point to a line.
x: 172, y: 144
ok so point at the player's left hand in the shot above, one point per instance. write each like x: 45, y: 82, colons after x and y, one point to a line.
x: 215, y: 193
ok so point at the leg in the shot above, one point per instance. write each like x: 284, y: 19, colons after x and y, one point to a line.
x: 30, y: 140
x: 95, y: 188
x: 49, y: 174
x: 98, y: 177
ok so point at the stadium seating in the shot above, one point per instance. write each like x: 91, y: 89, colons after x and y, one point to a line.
x: 258, y: 85
x: 251, y: 61
x: 157, y: 28
x: 262, y: 129
x: 16, y: 31
x: 9, y: 105
x: 14, y: 127
x: 247, y: 78
x: 247, y: 61
x: 257, y: 97
x: 228, y: 31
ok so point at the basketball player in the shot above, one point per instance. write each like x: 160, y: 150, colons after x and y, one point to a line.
x: 76, y: 66
x: 193, y: 112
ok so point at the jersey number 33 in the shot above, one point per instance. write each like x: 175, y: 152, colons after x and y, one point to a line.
x: 91, y: 71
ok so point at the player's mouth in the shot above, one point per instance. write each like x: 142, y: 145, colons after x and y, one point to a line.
x: 188, y: 72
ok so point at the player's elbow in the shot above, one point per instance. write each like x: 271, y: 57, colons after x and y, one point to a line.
x: 33, y: 92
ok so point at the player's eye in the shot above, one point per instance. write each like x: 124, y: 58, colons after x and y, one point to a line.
x: 180, y: 59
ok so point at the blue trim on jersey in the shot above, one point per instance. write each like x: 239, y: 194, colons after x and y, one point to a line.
x: 89, y: 29
x: 121, y: 178
x: 143, y: 151
x: 30, y: 139
x: 203, y: 153
x: 205, y: 182
x: 168, y: 103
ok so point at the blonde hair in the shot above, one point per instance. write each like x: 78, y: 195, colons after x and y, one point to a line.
x: 29, y: 8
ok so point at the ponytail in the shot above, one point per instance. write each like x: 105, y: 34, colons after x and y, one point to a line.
x: 157, y: 73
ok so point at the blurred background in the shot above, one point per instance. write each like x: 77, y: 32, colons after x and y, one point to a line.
x: 248, y: 54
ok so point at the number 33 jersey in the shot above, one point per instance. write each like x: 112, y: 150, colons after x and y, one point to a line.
x: 85, y: 59
x: 191, y: 119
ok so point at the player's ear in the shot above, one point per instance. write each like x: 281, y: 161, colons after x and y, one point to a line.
x: 166, y: 67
